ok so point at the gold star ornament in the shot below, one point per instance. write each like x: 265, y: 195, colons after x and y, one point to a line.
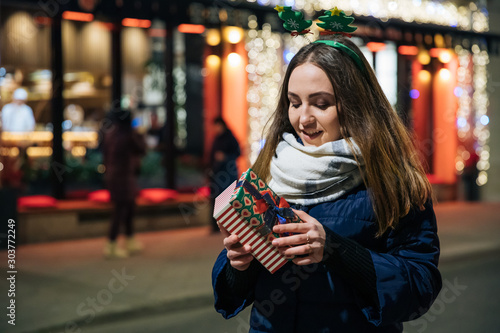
x: 334, y: 11
x: 279, y: 9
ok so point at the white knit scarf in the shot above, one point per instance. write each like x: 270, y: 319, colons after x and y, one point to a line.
x: 309, y: 175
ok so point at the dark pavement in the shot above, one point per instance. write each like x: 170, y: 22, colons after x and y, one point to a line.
x: 69, y: 286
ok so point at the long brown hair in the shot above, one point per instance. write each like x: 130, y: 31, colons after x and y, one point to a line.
x: 392, y: 173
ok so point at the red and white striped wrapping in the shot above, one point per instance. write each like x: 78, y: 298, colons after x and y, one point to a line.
x: 262, y: 250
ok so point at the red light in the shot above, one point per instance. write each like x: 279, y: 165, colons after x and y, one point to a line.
x: 136, y: 23
x: 100, y: 196
x: 158, y: 195
x: 77, y: 16
x: 408, y: 50
x: 191, y: 28
x: 36, y: 201
x: 43, y: 20
x: 375, y: 47
x: 435, y: 52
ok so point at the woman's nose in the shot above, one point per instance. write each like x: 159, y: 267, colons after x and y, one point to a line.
x: 305, y: 116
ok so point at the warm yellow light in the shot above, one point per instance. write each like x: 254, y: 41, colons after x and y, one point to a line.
x: 78, y: 151
x: 444, y: 74
x: 213, y: 61
x: 439, y: 40
x: 445, y: 56
x: 27, y: 136
x: 213, y: 37
x: 233, y: 34
x: 424, y: 76
x: 234, y: 59
x: 39, y: 151
x: 80, y: 136
x: 424, y: 58
x: 101, y: 168
x: 6, y: 151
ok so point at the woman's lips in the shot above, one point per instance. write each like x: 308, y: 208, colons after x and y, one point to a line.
x: 311, y: 135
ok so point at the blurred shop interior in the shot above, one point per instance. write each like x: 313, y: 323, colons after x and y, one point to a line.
x: 183, y: 63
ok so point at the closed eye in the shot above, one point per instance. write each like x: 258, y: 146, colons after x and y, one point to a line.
x: 323, y: 106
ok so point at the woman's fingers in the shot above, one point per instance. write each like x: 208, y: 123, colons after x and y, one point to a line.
x: 239, y: 255
x: 299, y: 250
x: 223, y: 230
x: 231, y: 241
x: 291, y: 227
x: 234, y: 253
x: 307, y: 242
x: 304, y: 216
x: 242, y: 262
x: 291, y: 240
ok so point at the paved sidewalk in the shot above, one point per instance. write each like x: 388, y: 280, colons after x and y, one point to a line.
x: 67, y: 286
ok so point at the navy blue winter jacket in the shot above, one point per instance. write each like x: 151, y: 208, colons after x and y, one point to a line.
x: 320, y: 298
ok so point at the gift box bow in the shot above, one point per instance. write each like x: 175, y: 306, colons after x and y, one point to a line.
x: 272, y: 210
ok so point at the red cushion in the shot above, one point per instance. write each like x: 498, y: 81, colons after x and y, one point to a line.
x: 158, y: 195
x: 100, y: 196
x: 36, y: 201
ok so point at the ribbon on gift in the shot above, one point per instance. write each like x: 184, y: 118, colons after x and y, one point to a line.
x: 266, y: 205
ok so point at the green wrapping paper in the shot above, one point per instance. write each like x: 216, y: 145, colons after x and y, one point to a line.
x: 261, y: 208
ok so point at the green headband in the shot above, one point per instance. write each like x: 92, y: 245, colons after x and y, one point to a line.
x: 354, y: 56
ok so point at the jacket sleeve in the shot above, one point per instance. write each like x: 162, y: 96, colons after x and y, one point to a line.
x: 407, y: 278
x: 233, y: 290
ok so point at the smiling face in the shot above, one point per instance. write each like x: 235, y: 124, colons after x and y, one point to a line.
x: 313, y: 110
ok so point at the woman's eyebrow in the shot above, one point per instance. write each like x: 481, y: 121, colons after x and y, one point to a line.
x: 319, y: 93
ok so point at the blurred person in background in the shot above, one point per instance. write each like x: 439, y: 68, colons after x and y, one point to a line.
x: 17, y: 116
x: 123, y: 149
x: 469, y: 177
x: 223, y: 169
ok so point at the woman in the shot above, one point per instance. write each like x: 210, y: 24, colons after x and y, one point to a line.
x: 122, y: 150
x: 368, y: 251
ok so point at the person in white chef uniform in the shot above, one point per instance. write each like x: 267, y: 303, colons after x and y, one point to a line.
x: 17, y: 116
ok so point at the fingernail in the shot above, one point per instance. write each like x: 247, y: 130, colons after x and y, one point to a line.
x: 276, y: 242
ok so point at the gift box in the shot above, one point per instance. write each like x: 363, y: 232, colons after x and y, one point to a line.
x: 250, y: 209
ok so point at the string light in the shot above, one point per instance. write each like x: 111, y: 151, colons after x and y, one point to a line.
x: 422, y: 11
x: 464, y: 86
x: 180, y: 96
x: 480, y: 104
x: 264, y: 76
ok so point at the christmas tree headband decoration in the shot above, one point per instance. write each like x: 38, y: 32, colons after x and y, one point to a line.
x: 335, y: 21
x: 294, y: 21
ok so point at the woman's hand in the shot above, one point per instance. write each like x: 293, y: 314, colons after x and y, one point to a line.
x: 239, y: 255
x: 308, y: 241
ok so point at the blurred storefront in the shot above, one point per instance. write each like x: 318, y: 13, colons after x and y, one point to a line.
x: 183, y: 63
